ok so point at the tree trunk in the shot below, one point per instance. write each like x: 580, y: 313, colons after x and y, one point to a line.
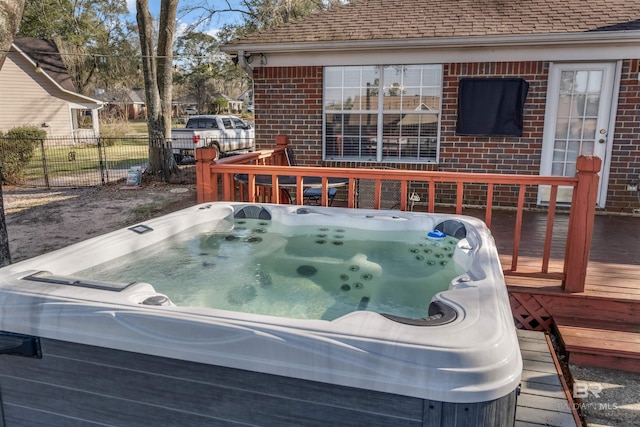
x: 157, y: 74
x: 10, y: 16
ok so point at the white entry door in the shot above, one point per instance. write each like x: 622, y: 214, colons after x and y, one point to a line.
x: 578, y: 121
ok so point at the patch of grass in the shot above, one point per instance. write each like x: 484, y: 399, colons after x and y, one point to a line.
x: 138, y: 127
x: 87, y: 158
x: 144, y: 209
x: 143, y: 212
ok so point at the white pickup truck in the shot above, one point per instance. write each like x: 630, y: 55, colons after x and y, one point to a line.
x: 228, y: 134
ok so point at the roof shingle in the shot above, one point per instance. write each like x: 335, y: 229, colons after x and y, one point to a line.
x: 46, y: 54
x: 420, y: 19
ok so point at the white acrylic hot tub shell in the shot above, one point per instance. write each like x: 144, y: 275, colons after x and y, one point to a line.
x: 476, y: 358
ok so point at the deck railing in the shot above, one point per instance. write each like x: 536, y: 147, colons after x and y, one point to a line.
x: 216, y: 182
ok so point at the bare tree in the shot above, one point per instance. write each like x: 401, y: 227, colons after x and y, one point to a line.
x: 157, y: 74
x: 10, y: 15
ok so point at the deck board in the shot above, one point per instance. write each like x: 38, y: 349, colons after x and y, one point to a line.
x: 542, y: 400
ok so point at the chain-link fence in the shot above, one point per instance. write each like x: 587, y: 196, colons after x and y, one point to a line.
x: 64, y: 162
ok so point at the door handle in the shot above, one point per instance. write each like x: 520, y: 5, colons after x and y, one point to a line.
x: 603, y: 133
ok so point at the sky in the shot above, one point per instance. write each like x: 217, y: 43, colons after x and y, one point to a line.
x: 185, y: 20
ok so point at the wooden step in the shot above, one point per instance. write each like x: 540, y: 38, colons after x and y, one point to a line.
x: 590, y: 344
x: 597, y: 323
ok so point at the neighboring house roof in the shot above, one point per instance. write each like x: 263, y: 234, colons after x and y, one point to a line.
x: 45, y: 53
x: 123, y: 96
x: 187, y: 99
x: 396, y: 102
x: 390, y: 103
x: 377, y: 20
x: 225, y: 97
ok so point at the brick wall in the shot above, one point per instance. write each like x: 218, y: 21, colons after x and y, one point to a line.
x: 288, y: 101
x: 494, y: 154
x: 625, y: 155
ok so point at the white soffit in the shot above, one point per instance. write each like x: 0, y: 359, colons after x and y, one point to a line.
x: 563, y: 47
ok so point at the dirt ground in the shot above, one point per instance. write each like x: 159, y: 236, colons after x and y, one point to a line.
x: 39, y: 221
x: 606, y: 397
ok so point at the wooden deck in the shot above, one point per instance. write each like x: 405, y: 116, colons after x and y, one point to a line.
x: 600, y: 326
x: 544, y: 398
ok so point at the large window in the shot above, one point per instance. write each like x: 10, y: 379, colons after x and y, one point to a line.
x: 382, y: 113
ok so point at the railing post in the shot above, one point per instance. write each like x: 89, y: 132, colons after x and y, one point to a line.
x: 282, y: 141
x: 581, y: 219
x: 207, y: 184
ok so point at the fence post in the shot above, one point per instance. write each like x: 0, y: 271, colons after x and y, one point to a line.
x: 101, y: 163
x: 44, y: 164
x: 5, y: 253
x: 206, y: 184
x: 581, y: 219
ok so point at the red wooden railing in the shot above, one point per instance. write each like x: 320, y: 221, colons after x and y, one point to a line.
x: 215, y: 182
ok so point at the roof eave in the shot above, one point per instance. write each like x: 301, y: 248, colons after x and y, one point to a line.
x: 523, y: 40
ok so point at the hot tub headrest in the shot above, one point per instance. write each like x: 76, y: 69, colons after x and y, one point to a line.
x: 452, y: 227
x: 439, y: 314
x: 256, y: 212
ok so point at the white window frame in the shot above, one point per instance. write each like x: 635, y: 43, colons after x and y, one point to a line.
x: 378, y: 156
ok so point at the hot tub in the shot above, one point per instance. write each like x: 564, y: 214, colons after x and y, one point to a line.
x: 229, y: 313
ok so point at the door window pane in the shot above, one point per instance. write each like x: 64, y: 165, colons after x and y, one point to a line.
x: 593, y: 105
x: 576, y: 119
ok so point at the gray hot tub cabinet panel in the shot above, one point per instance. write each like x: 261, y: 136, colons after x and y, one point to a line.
x: 74, y: 384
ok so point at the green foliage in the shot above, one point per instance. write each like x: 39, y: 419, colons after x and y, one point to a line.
x: 220, y: 105
x: 95, y: 37
x: 17, y: 147
x: 263, y: 14
x: 199, y: 60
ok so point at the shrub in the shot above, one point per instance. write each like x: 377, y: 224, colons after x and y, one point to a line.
x: 16, y: 150
x: 113, y: 130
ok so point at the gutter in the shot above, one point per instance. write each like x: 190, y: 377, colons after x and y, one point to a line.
x: 520, y: 40
x: 242, y: 62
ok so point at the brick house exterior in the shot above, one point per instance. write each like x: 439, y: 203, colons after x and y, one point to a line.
x: 288, y: 65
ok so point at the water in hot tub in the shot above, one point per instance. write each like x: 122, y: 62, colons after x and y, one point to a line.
x: 317, y: 272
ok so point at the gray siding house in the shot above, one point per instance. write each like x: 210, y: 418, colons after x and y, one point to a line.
x: 35, y: 89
